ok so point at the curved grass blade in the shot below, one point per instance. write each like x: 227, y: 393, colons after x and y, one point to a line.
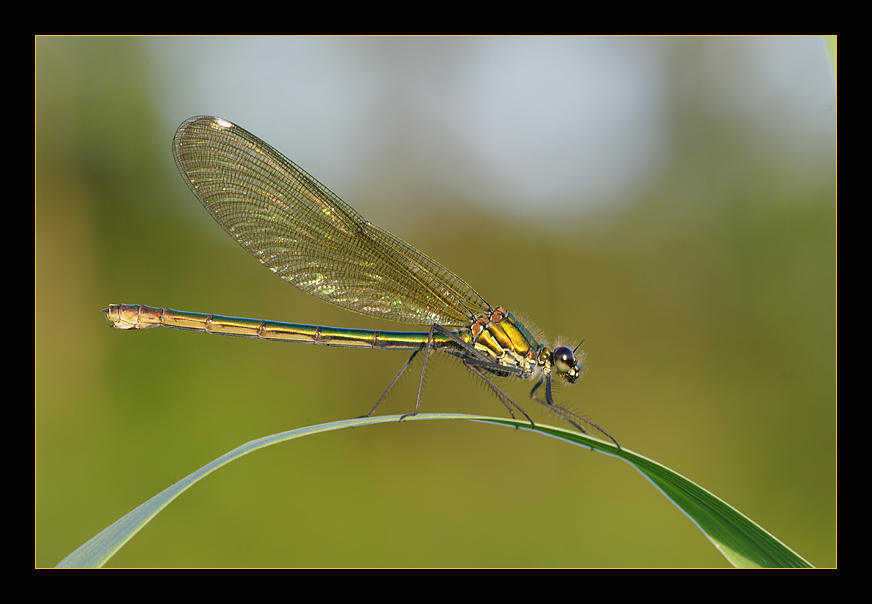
x: 741, y: 541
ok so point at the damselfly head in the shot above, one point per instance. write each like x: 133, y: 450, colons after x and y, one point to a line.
x: 568, y: 363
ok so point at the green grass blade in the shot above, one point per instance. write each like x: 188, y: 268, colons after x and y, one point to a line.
x: 740, y: 540
x: 100, y: 548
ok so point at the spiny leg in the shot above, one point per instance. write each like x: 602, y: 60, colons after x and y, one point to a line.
x: 391, y: 385
x: 478, y: 359
x: 563, y: 412
x: 505, y: 399
x: 553, y: 407
x: 427, y: 350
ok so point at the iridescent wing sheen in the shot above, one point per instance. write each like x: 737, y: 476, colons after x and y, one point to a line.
x: 297, y: 228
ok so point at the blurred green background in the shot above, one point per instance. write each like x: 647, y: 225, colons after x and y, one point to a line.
x: 670, y: 201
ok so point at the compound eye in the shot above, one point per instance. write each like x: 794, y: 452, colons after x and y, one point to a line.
x: 564, y: 359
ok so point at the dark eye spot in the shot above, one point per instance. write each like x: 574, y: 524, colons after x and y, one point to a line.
x: 564, y: 359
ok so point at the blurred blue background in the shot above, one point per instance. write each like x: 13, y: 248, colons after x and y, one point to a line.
x: 670, y: 201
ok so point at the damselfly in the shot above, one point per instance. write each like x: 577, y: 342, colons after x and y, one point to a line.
x: 296, y: 227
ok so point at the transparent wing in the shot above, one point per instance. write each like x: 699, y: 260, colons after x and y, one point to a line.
x: 305, y: 234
